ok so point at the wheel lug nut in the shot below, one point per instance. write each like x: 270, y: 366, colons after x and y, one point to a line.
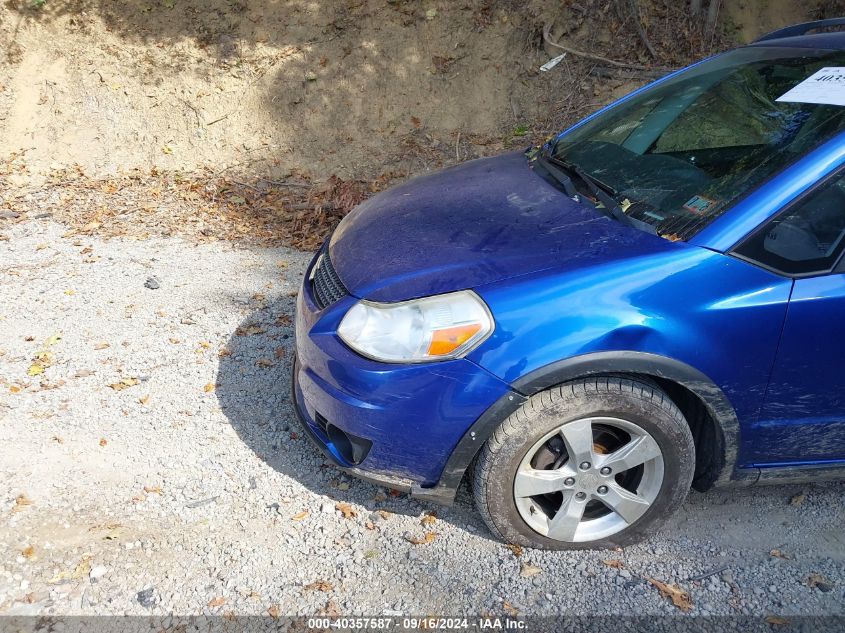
x: 569, y: 481
x: 606, y: 470
x: 602, y: 490
x: 580, y: 495
x: 585, y: 465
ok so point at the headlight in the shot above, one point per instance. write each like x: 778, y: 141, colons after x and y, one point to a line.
x: 433, y: 328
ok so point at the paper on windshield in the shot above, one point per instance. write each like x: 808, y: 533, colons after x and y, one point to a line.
x: 827, y: 86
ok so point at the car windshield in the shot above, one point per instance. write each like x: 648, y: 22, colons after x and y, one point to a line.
x: 676, y: 156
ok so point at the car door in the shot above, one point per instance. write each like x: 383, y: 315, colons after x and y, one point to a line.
x: 802, y: 420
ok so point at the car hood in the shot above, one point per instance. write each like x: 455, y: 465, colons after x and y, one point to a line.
x: 470, y: 225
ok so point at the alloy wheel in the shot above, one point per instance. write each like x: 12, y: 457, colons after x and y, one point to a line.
x: 588, y: 479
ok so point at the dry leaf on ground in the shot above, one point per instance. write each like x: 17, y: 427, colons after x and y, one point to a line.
x: 798, y: 500
x: 80, y: 571
x: 427, y: 538
x: 428, y: 519
x: 300, y: 515
x: 678, y: 596
x: 779, y: 554
x: 346, y: 510
x: 515, y: 549
x: 273, y: 611
x: 209, y: 387
x: 529, y: 571
x: 124, y: 383
x: 510, y: 609
x: 614, y: 563
x: 217, y: 602
x: 318, y: 585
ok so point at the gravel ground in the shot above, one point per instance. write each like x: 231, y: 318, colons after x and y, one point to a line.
x: 154, y: 466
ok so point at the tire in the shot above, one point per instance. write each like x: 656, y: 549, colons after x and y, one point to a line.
x: 589, y: 417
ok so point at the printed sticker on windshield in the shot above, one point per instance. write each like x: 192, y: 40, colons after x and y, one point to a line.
x: 826, y: 86
x: 699, y: 204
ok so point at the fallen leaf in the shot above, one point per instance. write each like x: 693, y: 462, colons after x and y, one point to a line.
x: 776, y: 620
x: 80, y: 571
x: 204, y: 344
x: 346, y: 510
x: 58, y: 439
x: 428, y: 519
x: 35, y: 369
x: 258, y: 297
x: 22, y: 500
x: 318, y: 585
x: 779, y: 554
x: 379, y: 497
x: 144, y: 399
x: 92, y: 226
x: 384, y: 514
x: 103, y: 441
x: 250, y: 330
x: 174, y: 340
x: 52, y: 340
x: 280, y: 352
x: 515, y: 549
x: 678, y: 596
x: 70, y: 292
x: 300, y: 515
x: 14, y: 389
x: 394, y: 493
x: 529, y: 571
x: 512, y: 610
x: 273, y: 611
x: 265, y: 363
x: 28, y: 552
x: 416, y: 122
x: 124, y: 383
x: 427, y: 538
x: 217, y: 602
x: 209, y: 387
x: 101, y: 345
x: 152, y: 490
x: 167, y: 149
x: 370, y: 554
x: 224, y: 351
x: 329, y: 609
x: 369, y: 525
x: 798, y: 500
x: 817, y: 581
x: 614, y: 563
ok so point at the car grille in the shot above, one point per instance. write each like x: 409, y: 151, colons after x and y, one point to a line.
x: 326, y: 285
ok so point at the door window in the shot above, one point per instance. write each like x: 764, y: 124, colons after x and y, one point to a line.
x: 807, y: 238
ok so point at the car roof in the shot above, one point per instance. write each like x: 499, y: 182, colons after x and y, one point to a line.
x: 819, y: 41
x: 800, y: 36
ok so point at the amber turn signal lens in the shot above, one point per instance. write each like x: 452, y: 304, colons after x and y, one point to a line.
x: 447, y: 340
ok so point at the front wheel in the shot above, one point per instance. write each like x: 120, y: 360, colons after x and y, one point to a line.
x: 592, y: 463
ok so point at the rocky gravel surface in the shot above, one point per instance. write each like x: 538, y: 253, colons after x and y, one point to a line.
x: 150, y: 464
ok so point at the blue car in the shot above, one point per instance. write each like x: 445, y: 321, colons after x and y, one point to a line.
x: 653, y: 300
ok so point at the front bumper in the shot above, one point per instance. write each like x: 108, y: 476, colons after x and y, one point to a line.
x: 411, y: 416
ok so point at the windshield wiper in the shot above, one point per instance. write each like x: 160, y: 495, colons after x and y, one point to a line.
x: 560, y: 176
x: 610, y: 204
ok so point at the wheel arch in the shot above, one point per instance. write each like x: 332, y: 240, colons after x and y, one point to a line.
x: 701, y: 401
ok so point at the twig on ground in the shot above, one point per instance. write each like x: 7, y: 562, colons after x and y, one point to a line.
x: 598, y: 58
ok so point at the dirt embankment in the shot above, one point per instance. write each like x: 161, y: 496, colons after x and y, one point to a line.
x: 180, y: 106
